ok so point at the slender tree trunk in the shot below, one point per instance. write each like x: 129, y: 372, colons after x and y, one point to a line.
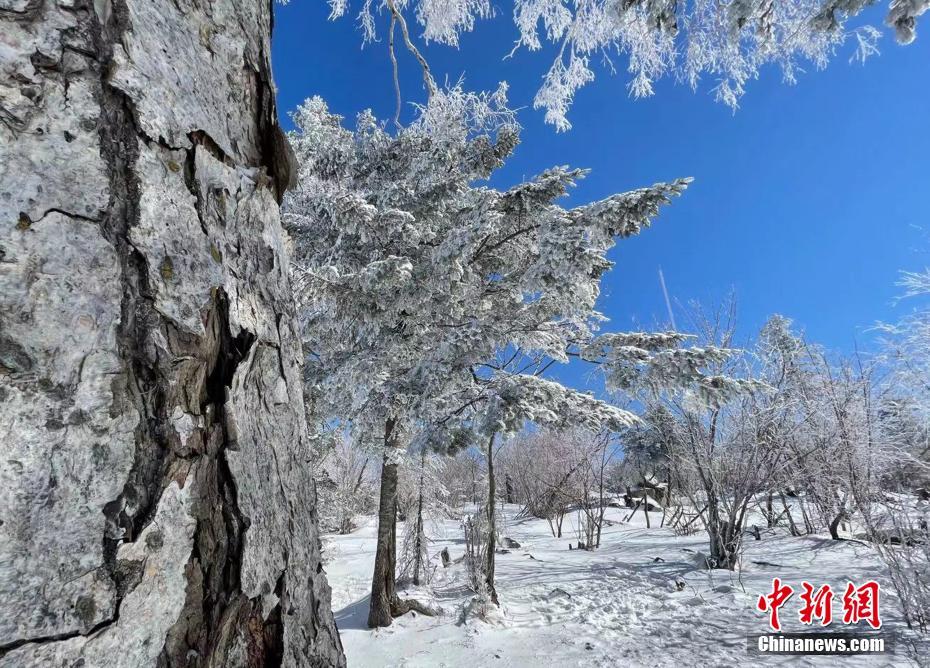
x: 792, y: 527
x: 835, y: 524
x: 153, y: 483
x: 808, y: 523
x: 383, y: 584
x: 492, y: 527
x: 600, y: 499
x: 361, y: 477
x: 418, y: 544
x: 385, y: 603
x: 724, y: 537
x: 769, y: 511
x: 383, y: 587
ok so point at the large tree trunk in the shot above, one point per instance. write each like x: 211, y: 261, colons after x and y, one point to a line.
x: 153, y: 481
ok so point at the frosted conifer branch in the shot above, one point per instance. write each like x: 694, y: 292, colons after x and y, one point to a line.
x: 411, y: 277
x: 689, y: 40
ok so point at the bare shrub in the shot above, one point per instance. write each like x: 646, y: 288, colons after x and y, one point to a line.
x: 475, y: 529
x: 898, y: 529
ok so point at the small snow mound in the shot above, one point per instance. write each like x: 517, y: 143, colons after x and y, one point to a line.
x: 678, y: 584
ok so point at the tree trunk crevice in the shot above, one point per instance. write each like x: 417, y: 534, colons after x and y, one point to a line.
x: 151, y: 368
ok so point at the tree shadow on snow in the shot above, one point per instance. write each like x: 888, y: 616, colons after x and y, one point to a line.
x: 355, y: 615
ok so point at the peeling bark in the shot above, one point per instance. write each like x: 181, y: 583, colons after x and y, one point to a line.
x: 153, y: 506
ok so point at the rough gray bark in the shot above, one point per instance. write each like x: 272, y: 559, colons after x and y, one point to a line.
x: 153, y: 505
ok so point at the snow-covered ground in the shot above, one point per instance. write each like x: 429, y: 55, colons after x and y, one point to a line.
x: 617, y: 606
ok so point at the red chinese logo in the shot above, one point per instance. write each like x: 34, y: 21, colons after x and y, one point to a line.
x: 817, y: 605
x: 772, y: 602
x: 860, y: 604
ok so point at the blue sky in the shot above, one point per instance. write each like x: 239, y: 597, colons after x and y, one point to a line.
x: 806, y: 202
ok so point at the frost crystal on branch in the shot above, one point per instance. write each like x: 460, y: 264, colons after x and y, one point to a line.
x: 525, y: 397
x: 728, y: 41
x: 656, y: 362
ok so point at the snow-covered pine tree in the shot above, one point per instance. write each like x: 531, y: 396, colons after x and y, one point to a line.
x: 694, y: 385
x: 647, y: 446
x: 152, y: 486
x: 730, y: 42
x: 413, y: 279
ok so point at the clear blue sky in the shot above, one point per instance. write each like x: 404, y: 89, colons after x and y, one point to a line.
x: 806, y: 202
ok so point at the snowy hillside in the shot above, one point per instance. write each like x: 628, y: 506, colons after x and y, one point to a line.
x: 620, y: 605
